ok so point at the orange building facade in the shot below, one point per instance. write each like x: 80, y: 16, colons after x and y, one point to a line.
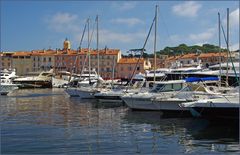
x: 126, y: 67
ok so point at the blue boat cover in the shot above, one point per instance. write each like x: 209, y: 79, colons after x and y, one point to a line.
x: 197, y: 79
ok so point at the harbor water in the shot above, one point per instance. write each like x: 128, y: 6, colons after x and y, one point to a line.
x: 47, y: 121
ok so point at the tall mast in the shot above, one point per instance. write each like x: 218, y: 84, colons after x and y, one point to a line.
x: 155, y: 43
x: 89, y: 63
x: 97, y: 48
x: 227, y: 45
x: 219, y: 47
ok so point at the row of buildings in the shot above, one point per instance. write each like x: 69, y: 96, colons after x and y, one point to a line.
x: 67, y: 59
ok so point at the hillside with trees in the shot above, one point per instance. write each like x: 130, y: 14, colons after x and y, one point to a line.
x: 178, y: 50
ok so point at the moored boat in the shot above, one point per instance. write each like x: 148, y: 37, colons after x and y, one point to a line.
x: 43, y: 80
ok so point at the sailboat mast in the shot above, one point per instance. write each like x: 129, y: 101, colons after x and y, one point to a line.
x: 227, y: 45
x: 97, y: 48
x: 219, y: 48
x: 89, y: 59
x: 155, y: 43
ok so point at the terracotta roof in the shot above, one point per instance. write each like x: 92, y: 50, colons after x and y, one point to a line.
x: 22, y: 54
x: 101, y: 52
x: 187, y: 56
x: 130, y: 61
x: 206, y: 55
x: 173, y: 58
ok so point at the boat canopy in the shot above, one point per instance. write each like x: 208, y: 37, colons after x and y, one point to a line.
x: 197, y: 79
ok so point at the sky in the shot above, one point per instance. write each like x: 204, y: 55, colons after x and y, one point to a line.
x: 30, y: 25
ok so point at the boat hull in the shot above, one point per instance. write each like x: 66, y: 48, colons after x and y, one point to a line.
x: 218, y: 113
x: 169, y: 108
x: 83, y: 94
x: 34, y: 84
x: 109, y: 99
x: 155, y: 105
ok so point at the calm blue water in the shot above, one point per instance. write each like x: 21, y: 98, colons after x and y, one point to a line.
x: 47, y: 121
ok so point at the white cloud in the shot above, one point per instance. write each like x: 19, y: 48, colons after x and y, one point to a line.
x: 63, y: 22
x: 110, y: 36
x: 127, y: 21
x: 203, y: 36
x: 234, y: 17
x: 193, y: 38
x: 124, y: 6
x: 187, y: 9
x: 234, y: 47
x: 175, y: 38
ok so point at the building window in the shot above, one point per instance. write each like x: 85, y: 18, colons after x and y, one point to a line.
x: 33, y: 58
x: 130, y: 68
x: 49, y: 59
x: 44, y: 59
x: 138, y: 68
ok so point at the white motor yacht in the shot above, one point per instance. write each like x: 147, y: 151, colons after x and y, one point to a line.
x: 6, y: 85
x: 84, y: 90
x: 144, y: 100
x: 43, y: 80
x: 114, y: 95
x: 224, y: 107
x: 167, y: 95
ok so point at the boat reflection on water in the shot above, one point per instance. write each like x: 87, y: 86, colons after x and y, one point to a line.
x: 191, y: 133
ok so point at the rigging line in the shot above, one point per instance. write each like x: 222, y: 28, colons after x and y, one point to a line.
x: 80, y: 45
x: 141, y: 52
x: 79, y: 48
x: 88, y: 47
x: 85, y: 59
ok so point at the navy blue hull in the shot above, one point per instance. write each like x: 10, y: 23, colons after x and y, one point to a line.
x: 218, y: 113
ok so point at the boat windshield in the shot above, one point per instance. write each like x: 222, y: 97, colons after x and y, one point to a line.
x: 46, y: 74
x: 86, y: 72
x: 167, y: 87
x: 155, y: 72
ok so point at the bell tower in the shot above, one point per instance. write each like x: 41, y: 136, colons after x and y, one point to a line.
x: 66, y: 44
